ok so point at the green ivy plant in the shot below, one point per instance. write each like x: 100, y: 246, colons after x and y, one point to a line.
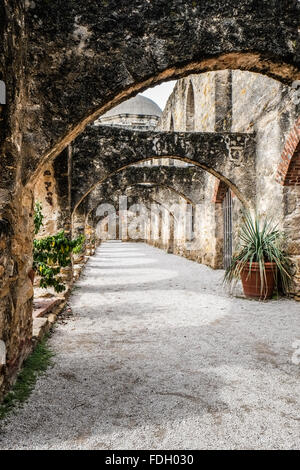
x: 51, y: 253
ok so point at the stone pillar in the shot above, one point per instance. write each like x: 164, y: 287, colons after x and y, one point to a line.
x: 148, y: 231
x: 159, y: 243
x: 16, y: 290
x: 223, y: 101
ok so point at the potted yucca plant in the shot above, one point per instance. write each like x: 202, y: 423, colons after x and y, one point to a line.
x: 261, y: 262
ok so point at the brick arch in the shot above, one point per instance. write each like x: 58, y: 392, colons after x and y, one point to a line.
x: 185, y: 180
x: 219, y: 191
x: 102, y: 151
x: 288, y: 172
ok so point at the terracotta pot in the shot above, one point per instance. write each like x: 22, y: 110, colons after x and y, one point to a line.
x: 252, y: 282
x: 31, y: 275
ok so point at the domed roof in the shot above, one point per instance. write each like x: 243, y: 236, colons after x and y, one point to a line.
x: 137, y: 105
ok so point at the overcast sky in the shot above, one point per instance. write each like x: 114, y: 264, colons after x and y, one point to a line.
x: 160, y: 93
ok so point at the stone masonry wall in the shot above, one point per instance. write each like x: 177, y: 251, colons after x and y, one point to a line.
x: 212, y: 113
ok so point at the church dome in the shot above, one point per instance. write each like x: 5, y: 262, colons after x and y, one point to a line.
x: 138, y: 105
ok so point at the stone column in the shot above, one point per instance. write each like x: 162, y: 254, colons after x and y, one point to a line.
x: 16, y: 207
x: 90, y: 234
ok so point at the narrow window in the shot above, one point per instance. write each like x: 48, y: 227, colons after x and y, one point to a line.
x: 190, y: 110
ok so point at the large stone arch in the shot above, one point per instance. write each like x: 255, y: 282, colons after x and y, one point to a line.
x: 82, y: 59
x: 102, y: 151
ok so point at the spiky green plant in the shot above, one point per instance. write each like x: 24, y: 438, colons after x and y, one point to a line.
x: 261, y: 242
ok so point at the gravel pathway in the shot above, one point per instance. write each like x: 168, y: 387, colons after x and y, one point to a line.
x: 158, y: 356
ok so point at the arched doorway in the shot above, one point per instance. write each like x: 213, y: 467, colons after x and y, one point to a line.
x: 190, y: 110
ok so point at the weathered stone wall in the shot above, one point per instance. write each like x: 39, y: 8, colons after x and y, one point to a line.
x: 246, y: 102
x: 207, y: 245
x: 264, y: 106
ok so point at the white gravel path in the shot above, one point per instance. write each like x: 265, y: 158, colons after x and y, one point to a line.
x: 159, y: 356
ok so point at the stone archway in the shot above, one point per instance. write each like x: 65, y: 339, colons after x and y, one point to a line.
x: 109, y: 150
x: 288, y: 172
x: 190, y: 109
x: 288, y: 175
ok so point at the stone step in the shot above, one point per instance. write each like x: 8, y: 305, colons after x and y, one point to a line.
x: 45, y: 305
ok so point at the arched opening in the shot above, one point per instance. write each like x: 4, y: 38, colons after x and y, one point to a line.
x: 190, y: 109
x: 235, y: 61
x: 145, y: 216
x: 292, y: 174
x: 244, y: 200
x: 172, y: 124
x: 197, y: 249
x: 84, y: 80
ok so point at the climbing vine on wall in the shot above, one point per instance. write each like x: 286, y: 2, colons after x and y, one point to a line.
x: 51, y: 253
